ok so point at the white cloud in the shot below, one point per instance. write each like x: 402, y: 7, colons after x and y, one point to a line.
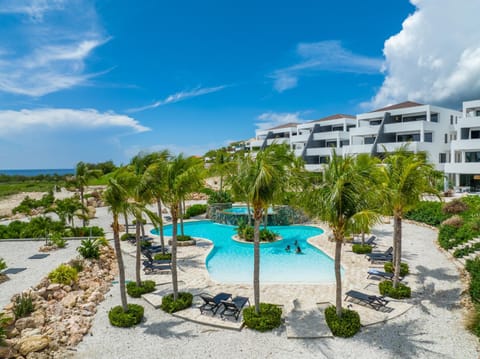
x: 272, y: 119
x: 179, y: 96
x: 17, y: 122
x: 435, y: 58
x: 49, y: 53
x: 323, y: 56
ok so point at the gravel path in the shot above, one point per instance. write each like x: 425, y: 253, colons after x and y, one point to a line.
x: 431, y: 329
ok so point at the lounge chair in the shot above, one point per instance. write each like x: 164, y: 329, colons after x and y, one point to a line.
x: 374, y: 301
x: 212, y: 304
x: 370, y: 241
x: 233, y: 308
x: 377, y: 273
x: 149, y: 268
x: 380, y: 256
x: 150, y: 259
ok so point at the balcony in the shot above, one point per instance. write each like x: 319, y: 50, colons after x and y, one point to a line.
x: 364, y: 130
x: 468, y: 122
x: 322, y: 151
x: 298, y: 152
x: 278, y: 141
x: 414, y: 126
x: 354, y: 149
x: 256, y: 143
x: 465, y: 168
x: 332, y: 135
x: 464, y: 145
x: 300, y: 138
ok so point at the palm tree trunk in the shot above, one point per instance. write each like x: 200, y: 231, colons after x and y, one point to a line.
x: 138, y: 279
x: 397, y: 241
x: 83, y: 206
x: 363, y: 238
x: 221, y: 183
x: 160, y: 228
x: 265, y: 219
x: 182, y: 208
x: 249, y: 214
x: 256, y: 258
x: 121, y: 267
x: 338, y: 276
x: 174, y: 213
x: 125, y: 215
x: 142, y: 227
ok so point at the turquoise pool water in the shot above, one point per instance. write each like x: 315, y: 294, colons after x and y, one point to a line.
x: 242, y: 210
x: 232, y: 262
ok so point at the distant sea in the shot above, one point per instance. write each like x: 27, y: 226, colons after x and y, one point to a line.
x: 30, y: 173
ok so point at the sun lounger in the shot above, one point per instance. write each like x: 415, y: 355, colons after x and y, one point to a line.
x: 212, y: 304
x: 233, y: 308
x: 150, y: 259
x: 149, y: 268
x: 370, y: 241
x: 380, y: 256
x: 374, y: 301
x: 377, y: 273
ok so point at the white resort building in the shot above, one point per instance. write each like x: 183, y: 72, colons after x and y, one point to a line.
x: 451, y: 139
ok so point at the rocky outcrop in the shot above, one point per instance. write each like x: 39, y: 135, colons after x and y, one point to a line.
x: 63, y: 313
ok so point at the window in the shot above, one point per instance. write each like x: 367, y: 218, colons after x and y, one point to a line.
x: 451, y: 119
x: 350, y: 126
x: 434, y: 117
x: 458, y: 157
x: 413, y: 137
x: 475, y: 134
x: 344, y: 143
x: 375, y: 122
x: 428, y: 137
x: 446, y: 138
x: 477, y: 113
x: 472, y: 156
x: 337, y: 128
x: 331, y: 144
x: 442, y: 158
x: 369, y: 140
x: 415, y: 118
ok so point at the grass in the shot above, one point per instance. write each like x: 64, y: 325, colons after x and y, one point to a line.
x: 8, y: 189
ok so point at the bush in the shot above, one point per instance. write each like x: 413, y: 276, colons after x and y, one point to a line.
x: 473, y: 267
x: 454, y: 207
x: 3, y: 265
x: 184, y: 238
x: 219, y: 197
x: 77, y: 264
x: 89, y: 249
x: 143, y: 221
x: 473, y: 320
x: 267, y: 235
x: 454, y: 221
x: 58, y: 240
x: 346, y: 326
x: 127, y: 236
x: 162, y: 256
x: 247, y: 233
x: 171, y: 306
x: 268, y: 318
x: 63, y: 274
x: 404, y: 269
x: 195, y: 210
x: 23, y: 305
x: 85, y: 231
x: 402, y: 291
x: 119, y: 318
x: 361, y: 248
x: 134, y: 291
x: 427, y: 212
x: 3, y: 323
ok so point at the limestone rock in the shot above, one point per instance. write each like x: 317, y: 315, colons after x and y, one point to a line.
x: 27, y: 322
x: 32, y: 344
x: 70, y: 300
x: 54, y: 286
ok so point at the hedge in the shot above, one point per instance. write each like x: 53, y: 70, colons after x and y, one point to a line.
x: 361, y: 248
x: 119, y: 318
x: 268, y: 318
x: 135, y: 291
x: 171, y: 306
x: 346, y: 326
x: 402, y: 291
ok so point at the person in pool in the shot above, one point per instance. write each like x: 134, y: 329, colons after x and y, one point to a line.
x: 296, y: 243
x: 298, y: 250
x: 287, y: 248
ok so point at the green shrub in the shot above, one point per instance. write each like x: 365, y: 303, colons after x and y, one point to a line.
x: 267, y: 235
x: 3, y: 265
x: 361, y: 248
x: 119, y: 318
x: 89, y: 249
x: 402, y: 291
x: 77, y: 264
x: 404, y: 269
x: 171, y: 306
x: 268, y: 318
x: 3, y: 323
x: 23, y: 305
x: 134, y: 291
x: 346, y: 326
x: 58, y: 240
x: 127, y: 236
x: 162, y: 256
x: 219, y: 197
x: 427, y: 212
x: 143, y: 221
x: 93, y: 231
x: 195, y: 210
x: 145, y: 243
x: 473, y: 320
x: 247, y: 233
x: 473, y: 267
x: 63, y: 274
x: 184, y: 238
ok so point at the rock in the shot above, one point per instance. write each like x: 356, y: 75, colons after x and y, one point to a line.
x: 28, y: 332
x: 70, y: 300
x: 12, y: 334
x: 42, y: 292
x: 9, y: 306
x: 53, y: 287
x: 27, y: 322
x: 7, y: 352
x: 67, y: 288
x: 75, y: 339
x: 59, y: 294
x: 38, y: 355
x: 32, y: 344
x: 39, y: 319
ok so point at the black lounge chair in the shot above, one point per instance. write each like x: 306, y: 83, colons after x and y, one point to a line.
x: 374, y: 301
x: 380, y: 256
x: 378, y: 273
x: 150, y: 259
x: 149, y: 268
x: 370, y: 241
x: 212, y: 304
x: 233, y: 308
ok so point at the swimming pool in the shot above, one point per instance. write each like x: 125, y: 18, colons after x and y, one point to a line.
x: 232, y: 262
x: 242, y: 210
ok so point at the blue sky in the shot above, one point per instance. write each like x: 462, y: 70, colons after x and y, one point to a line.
x: 101, y: 80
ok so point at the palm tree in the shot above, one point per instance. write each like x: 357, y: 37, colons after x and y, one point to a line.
x: 182, y: 176
x: 238, y: 180
x: 115, y: 196
x: 222, y: 163
x: 407, y: 176
x: 266, y: 177
x: 339, y: 200
x: 82, y: 175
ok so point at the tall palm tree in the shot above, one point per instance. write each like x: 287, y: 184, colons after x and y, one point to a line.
x: 407, y: 176
x: 222, y: 163
x: 266, y: 176
x: 182, y: 176
x: 115, y: 196
x: 82, y: 175
x: 339, y: 199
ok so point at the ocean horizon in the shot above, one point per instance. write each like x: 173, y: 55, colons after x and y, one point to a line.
x: 39, y: 171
